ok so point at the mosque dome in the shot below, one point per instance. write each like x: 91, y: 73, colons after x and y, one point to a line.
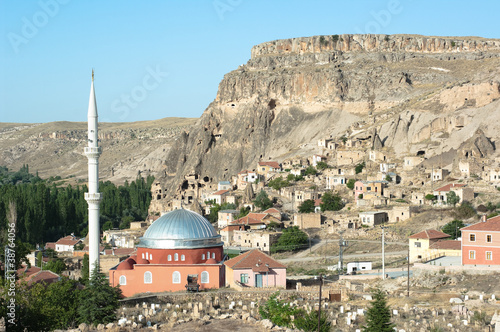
x: 180, y: 229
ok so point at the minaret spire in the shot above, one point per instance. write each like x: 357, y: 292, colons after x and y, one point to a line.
x: 93, y: 197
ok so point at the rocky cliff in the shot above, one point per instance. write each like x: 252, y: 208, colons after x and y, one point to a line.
x: 418, y: 93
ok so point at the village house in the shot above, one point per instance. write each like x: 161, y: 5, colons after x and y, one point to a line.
x: 349, y: 157
x: 420, y: 244
x: 307, y: 220
x: 481, y: 242
x: 298, y: 171
x: 375, y: 156
x: 315, y: 159
x: 257, y: 220
x: 245, y: 177
x: 387, y: 167
x: 261, y: 239
x: 401, y: 213
x: 373, y: 218
x: 33, y: 275
x: 122, y: 238
x: 417, y: 198
x: 64, y: 244
x: 494, y: 175
x: 369, y: 189
x: 225, y: 217
x: 219, y: 196
x: 464, y: 168
x: 138, y: 224
x: 324, y: 142
x: 266, y: 167
x: 439, y: 174
x: 227, y: 233
x: 224, y: 185
x: 255, y: 269
x: 411, y: 161
x: 354, y: 267
x: 461, y: 190
x: 332, y: 145
x: 335, y: 180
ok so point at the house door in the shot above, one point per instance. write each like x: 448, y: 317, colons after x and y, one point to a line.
x: 258, y: 280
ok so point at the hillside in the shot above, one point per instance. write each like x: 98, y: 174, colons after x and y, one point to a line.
x: 56, y: 148
x: 429, y: 95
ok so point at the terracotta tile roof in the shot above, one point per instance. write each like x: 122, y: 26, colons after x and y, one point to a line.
x: 251, y: 219
x: 27, y: 271
x: 273, y: 164
x: 271, y: 210
x: 447, y: 245
x: 232, y: 228
x: 491, y: 225
x: 450, y: 186
x: 68, y: 240
x: 244, y: 172
x: 220, y: 192
x: 253, y: 259
x: 47, y: 276
x: 317, y: 202
x: 50, y: 245
x: 430, y: 234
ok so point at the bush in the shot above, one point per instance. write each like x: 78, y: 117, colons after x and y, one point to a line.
x: 453, y: 228
x: 308, y: 322
x: 331, y: 202
x: 335, y: 38
x: 279, y: 183
x: 262, y: 201
x: 321, y: 165
x: 350, y: 183
x: 307, y: 206
x: 430, y: 197
x: 291, y: 239
x: 359, y: 167
x: 311, y: 170
x: 465, y: 211
x: 277, y: 311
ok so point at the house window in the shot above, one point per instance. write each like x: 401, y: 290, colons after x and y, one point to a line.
x: 204, y: 277
x: 488, y: 238
x: 183, y: 258
x: 418, y: 245
x: 148, y: 277
x: 488, y: 256
x: 123, y: 280
x: 169, y: 258
x: 203, y: 257
x: 213, y: 255
x: 176, y: 257
x: 244, y: 278
x: 176, y: 277
x: 472, y: 254
x: 472, y: 237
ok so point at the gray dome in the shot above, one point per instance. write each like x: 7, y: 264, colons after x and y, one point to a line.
x: 180, y: 229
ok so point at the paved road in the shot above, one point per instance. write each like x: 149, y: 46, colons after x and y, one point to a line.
x: 374, y: 254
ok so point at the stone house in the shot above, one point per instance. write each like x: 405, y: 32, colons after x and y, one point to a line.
x: 421, y: 242
x: 122, y: 238
x: 266, y: 167
x: 401, y: 213
x: 335, y: 180
x: 219, y: 196
x: 369, y: 189
x: 349, y: 157
x: 332, y: 145
x: 494, y: 175
x: 260, y: 239
x: 461, y: 190
x: 481, y: 242
x: 386, y: 167
x: 439, y: 174
x: 464, y: 168
x: 224, y: 185
x: 67, y: 243
x: 417, y: 198
x: 227, y: 233
x: 307, y: 220
x: 324, y: 142
x: 373, y: 218
x: 245, y: 177
x: 315, y: 159
x: 255, y: 269
x: 375, y: 156
x: 226, y: 217
x: 411, y: 161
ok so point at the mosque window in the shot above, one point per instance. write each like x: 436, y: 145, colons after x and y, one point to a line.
x: 203, y: 257
x: 147, y: 256
x: 151, y: 257
x: 183, y: 258
x: 148, y: 277
x: 213, y: 255
x: 123, y: 280
x: 208, y: 254
x: 204, y: 277
x: 176, y: 257
x: 142, y: 255
x: 176, y: 277
x: 169, y: 258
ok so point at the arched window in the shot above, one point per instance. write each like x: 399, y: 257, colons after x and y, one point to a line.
x: 147, y: 256
x: 213, y: 255
x: 208, y: 254
x: 142, y: 255
x: 176, y: 257
x: 202, y: 257
x: 169, y: 258
x: 183, y: 258
x: 123, y: 280
x: 148, y: 277
x: 151, y: 257
x: 176, y: 277
x: 204, y: 277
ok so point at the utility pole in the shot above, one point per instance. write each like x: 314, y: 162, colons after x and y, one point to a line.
x: 383, y: 253
x: 319, y: 309
x: 408, y: 280
x: 342, y: 244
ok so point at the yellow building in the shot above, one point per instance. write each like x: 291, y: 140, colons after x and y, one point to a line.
x: 428, y: 244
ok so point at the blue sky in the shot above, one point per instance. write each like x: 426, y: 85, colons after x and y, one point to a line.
x: 156, y: 59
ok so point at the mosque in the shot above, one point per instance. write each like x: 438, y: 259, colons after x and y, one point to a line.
x: 180, y: 250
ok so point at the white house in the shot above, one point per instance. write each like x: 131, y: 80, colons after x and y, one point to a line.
x: 358, y: 266
x: 67, y: 243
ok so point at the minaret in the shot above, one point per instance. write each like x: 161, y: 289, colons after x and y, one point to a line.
x: 93, y: 197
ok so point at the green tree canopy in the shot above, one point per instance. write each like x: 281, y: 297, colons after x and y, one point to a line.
x: 55, y: 265
x: 279, y: 183
x: 359, y: 167
x: 321, y: 165
x: 291, y: 239
x: 310, y: 170
x: 307, y: 206
x: 308, y: 322
x: 452, y: 198
x: 262, y: 201
x: 378, y: 316
x: 350, y: 183
x: 331, y: 202
x: 277, y: 311
x: 453, y: 228
x: 430, y: 197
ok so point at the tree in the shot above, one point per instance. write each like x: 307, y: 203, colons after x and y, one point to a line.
x: 378, y: 316
x: 291, y: 239
x: 359, y: 167
x: 430, y: 197
x: 307, y: 206
x: 308, y: 322
x: 85, y: 268
x: 39, y: 259
x: 331, y: 202
x: 452, y: 198
x: 98, y: 301
x: 321, y: 165
x: 243, y: 212
x: 310, y: 170
x: 453, y: 228
x: 262, y: 201
x: 277, y: 311
x: 278, y: 183
x: 388, y: 178
x: 56, y: 265
x: 350, y: 183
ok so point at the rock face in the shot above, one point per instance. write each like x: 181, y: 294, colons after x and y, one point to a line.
x: 406, y: 93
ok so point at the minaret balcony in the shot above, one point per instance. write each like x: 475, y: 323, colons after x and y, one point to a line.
x: 93, y: 197
x: 91, y: 151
